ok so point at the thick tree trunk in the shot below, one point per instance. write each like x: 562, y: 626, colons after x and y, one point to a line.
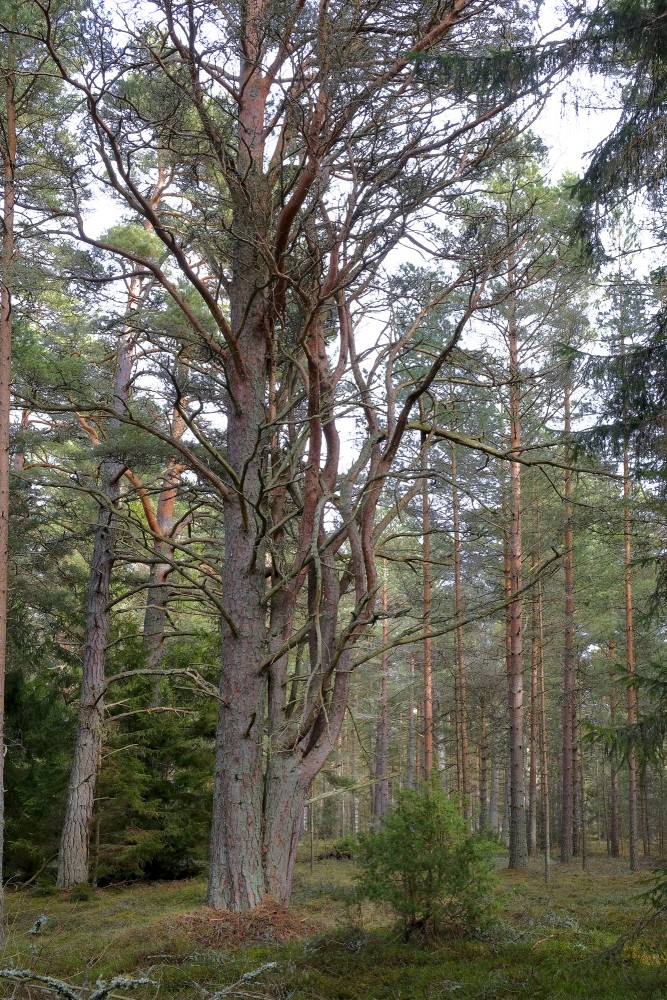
x: 237, y: 877
x: 569, y: 667
x: 8, y: 208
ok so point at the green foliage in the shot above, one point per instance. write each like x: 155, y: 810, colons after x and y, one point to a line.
x: 426, y: 865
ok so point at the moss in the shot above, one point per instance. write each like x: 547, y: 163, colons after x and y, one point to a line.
x: 546, y: 944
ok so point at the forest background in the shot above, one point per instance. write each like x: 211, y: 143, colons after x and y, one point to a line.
x: 335, y: 460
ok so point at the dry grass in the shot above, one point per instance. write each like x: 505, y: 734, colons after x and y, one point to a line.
x: 208, y: 928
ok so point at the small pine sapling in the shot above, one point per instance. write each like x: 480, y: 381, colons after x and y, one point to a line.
x: 428, y: 867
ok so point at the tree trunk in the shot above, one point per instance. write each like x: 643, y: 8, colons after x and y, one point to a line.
x: 630, y: 665
x: 569, y: 665
x: 428, y: 642
x: 8, y: 209
x: 484, y: 810
x: 494, y: 822
x: 73, y: 857
x: 544, y: 777
x: 380, y: 799
x: 461, y: 682
x: 646, y: 826
x: 412, y: 731
x: 517, y: 833
x: 615, y: 817
x: 237, y: 876
x: 534, y: 724
x: 577, y: 768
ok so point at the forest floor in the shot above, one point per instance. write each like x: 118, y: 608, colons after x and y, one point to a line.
x: 549, y: 941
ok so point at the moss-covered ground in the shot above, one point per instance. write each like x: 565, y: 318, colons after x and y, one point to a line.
x: 549, y: 942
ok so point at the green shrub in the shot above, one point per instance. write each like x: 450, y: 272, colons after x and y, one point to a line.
x: 428, y: 867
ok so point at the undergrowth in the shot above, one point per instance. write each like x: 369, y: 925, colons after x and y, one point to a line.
x: 549, y: 941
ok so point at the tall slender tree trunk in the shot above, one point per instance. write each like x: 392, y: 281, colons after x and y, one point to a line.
x: 544, y: 776
x: 534, y: 722
x: 428, y: 641
x: 494, y: 780
x: 8, y: 209
x: 577, y: 771
x: 461, y: 681
x: 380, y: 800
x: 412, y: 731
x: 630, y: 664
x: 483, y: 768
x: 646, y: 823
x: 517, y: 833
x: 615, y: 816
x: 73, y: 857
x: 569, y: 664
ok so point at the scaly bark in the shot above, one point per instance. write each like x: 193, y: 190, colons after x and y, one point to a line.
x: 73, y: 857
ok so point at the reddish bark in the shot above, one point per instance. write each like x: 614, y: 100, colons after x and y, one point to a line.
x: 291, y: 260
